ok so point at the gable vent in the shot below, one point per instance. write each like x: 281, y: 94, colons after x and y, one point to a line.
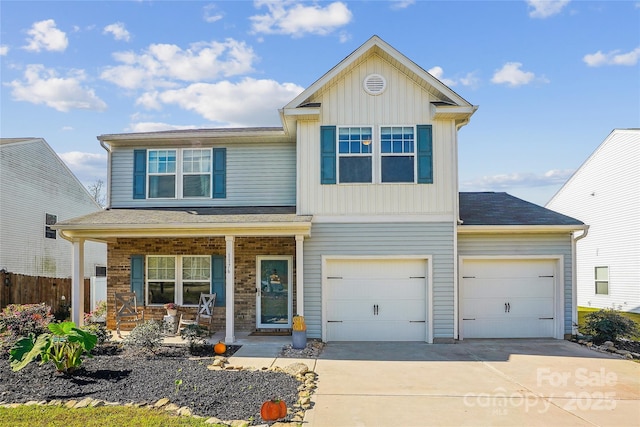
x: 374, y: 84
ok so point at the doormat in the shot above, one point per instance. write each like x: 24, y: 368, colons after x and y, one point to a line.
x: 270, y: 333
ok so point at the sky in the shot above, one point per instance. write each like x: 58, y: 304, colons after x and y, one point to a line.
x: 551, y: 79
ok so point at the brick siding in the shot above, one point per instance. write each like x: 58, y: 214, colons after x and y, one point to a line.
x: 246, y: 250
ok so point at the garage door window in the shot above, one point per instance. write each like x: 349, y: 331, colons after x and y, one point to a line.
x: 602, y: 280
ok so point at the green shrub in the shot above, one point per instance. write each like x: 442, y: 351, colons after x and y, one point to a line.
x: 64, y: 347
x: 22, y: 320
x: 195, y: 336
x: 608, y: 325
x: 99, y: 330
x: 146, y: 336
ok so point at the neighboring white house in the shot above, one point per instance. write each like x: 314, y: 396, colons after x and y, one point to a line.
x: 605, y: 193
x: 37, y: 190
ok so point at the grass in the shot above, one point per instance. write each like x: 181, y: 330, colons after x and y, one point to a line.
x: 104, y: 416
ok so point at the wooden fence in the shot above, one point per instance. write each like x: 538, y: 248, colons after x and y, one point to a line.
x: 21, y: 289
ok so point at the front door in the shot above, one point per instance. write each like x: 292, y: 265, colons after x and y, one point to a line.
x: 274, y: 291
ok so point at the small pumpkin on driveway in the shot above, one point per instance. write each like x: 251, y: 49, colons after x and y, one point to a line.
x: 273, y: 410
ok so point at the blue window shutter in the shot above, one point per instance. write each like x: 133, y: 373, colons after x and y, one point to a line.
x: 137, y: 277
x: 217, y: 279
x: 425, y: 155
x: 327, y: 154
x: 219, y: 187
x: 139, y: 174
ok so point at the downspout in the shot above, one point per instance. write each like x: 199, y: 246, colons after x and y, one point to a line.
x: 108, y: 150
x: 457, y: 221
x: 574, y: 279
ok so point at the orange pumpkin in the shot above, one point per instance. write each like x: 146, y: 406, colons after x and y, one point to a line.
x: 220, y: 348
x: 273, y: 410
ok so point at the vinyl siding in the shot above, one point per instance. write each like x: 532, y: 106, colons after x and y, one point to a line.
x: 513, y: 245
x: 257, y: 175
x: 404, y: 102
x: 605, y: 194
x: 34, y: 182
x: 434, y: 239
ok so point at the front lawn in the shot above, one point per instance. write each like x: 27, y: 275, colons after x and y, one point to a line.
x: 583, y: 311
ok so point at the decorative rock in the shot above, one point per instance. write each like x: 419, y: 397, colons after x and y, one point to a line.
x: 296, y: 369
x: 83, y: 403
x: 184, y: 411
x: 97, y: 403
x: 32, y: 403
x: 607, y: 344
x: 628, y: 356
x: 636, y: 355
x: 171, y: 407
x: 238, y: 423
x: 623, y: 352
x: 70, y: 404
x: 55, y: 402
x: 160, y: 403
x: 213, y: 420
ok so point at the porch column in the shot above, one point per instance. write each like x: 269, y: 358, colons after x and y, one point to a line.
x: 77, y: 282
x: 229, y: 289
x: 300, y: 275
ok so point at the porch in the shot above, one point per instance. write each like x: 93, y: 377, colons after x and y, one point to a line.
x: 170, y: 255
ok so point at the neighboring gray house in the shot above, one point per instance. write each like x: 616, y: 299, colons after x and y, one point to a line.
x: 348, y: 214
x: 37, y: 190
x: 605, y: 192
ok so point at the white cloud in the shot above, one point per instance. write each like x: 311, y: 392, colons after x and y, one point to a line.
x: 249, y: 102
x: 4, y: 50
x: 45, y: 35
x: 210, y: 15
x: 545, y: 8
x: 511, y: 75
x: 44, y: 86
x: 118, y: 30
x: 156, y: 127
x: 518, y: 179
x: 612, y: 58
x: 468, y: 80
x: 163, y: 64
x: 87, y: 167
x: 295, y: 19
x: 67, y: 128
x: 401, y: 4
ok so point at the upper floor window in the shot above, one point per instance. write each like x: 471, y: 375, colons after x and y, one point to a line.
x: 180, y: 173
x: 602, y: 280
x: 391, y: 154
x: 355, y: 153
x: 397, y: 154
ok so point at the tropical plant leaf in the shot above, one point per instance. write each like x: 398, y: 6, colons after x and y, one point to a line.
x: 25, y: 351
x: 62, y: 328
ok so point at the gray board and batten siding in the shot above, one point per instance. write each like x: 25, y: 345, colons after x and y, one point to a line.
x: 261, y: 174
x: 512, y: 245
x: 382, y: 239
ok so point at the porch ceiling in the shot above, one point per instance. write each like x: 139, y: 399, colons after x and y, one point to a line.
x: 184, y: 222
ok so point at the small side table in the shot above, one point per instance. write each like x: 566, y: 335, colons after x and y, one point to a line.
x: 170, y: 323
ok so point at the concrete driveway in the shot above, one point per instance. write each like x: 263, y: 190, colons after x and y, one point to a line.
x: 476, y: 382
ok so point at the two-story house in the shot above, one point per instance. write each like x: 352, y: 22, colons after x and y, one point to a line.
x: 348, y: 214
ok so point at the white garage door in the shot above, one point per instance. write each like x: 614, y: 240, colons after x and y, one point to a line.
x: 508, y: 298
x: 375, y: 300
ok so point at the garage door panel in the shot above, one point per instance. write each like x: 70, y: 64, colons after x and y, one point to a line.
x: 508, y: 298
x: 376, y: 331
x: 375, y: 300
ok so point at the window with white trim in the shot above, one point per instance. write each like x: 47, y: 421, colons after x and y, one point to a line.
x: 179, y: 173
x: 397, y: 154
x: 602, y: 280
x: 178, y: 278
x: 355, y: 158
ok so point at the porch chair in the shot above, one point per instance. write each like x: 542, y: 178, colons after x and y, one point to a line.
x: 127, y: 310
x: 204, y: 313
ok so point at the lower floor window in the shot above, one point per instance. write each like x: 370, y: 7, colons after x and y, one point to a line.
x: 602, y: 280
x: 179, y: 279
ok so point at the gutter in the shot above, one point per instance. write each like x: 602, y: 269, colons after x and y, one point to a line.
x: 108, y: 150
x: 574, y: 279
